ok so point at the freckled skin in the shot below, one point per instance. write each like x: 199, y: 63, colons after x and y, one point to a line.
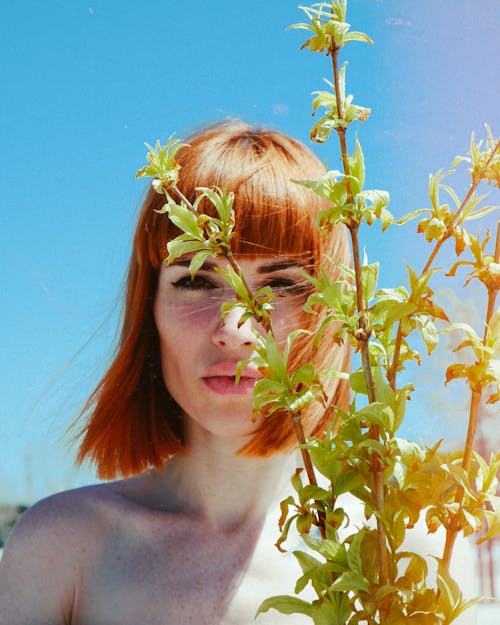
x: 98, y: 556
x: 177, y: 570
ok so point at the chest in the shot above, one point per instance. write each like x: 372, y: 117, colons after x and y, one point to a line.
x: 177, y: 574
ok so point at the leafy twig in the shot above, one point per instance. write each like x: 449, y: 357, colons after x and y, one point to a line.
x: 454, y: 527
x: 363, y: 335
x: 393, y: 369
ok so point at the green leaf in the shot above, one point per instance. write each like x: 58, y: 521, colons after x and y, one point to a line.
x: 379, y: 201
x: 379, y: 414
x: 286, y: 605
x: 428, y: 332
x: 222, y: 201
x: 347, y: 482
x: 493, y: 333
x: 350, y: 581
x: 334, y: 609
x: 373, y: 446
x: 185, y: 220
x: 162, y: 165
x: 353, y: 554
x: 417, y: 568
x: 410, y: 216
x: 197, y: 261
x: 356, y: 164
x: 284, y: 532
x: 411, y: 453
x: 333, y: 551
x: 451, y: 596
x: 369, y: 275
x: 235, y: 281
x: 304, y: 523
x: 357, y: 36
x: 357, y: 380
x: 311, y: 491
x: 177, y: 247
x: 486, y: 210
x: 277, y: 362
x: 307, y: 561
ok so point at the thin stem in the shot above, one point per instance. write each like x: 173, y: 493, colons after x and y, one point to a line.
x: 182, y: 197
x: 334, y: 53
x: 306, y: 458
x: 363, y: 335
x: 341, y: 130
x: 454, y: 527
x: 492, y: 293
x: 451, y: 227
x: 264, y: 321
x: 299, y: 431
x: 393, y: 369
x: 378, y: 477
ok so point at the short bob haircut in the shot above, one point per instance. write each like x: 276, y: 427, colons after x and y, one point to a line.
x: 131, y: 422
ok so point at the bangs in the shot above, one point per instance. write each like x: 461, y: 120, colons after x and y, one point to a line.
x: 273, y: 215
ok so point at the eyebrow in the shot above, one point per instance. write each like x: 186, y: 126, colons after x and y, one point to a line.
x: 278, y: 265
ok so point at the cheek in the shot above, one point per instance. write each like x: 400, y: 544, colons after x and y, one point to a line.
x: 287, y: 317
x: 173, y: 319
x: 184, y: 332
x: 181, y: 331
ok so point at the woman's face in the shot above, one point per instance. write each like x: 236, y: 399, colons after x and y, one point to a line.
x: 199, y: 353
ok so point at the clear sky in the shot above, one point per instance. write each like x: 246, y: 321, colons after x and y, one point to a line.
x: 86, y: 83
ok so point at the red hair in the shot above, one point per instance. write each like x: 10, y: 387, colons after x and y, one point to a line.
x: 132, y: 423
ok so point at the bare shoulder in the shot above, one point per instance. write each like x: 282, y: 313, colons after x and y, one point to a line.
x: 46, y: 553
x: 73, y: 514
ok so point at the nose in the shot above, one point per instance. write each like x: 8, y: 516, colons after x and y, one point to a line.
x: 227, y: 334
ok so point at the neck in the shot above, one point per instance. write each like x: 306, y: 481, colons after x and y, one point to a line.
x: 212, y: 483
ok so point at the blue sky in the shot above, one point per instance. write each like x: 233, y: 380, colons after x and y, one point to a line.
x: 85, y: 84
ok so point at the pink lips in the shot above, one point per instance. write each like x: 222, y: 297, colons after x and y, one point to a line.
x: 221, y: 378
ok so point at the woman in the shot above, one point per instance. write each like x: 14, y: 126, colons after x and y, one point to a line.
x: 187, y: 534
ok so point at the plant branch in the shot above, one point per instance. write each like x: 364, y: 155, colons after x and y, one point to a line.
x: 266, y: 321
x: 341, y: 131
x: 451, y: 227
x: 454, y: 528
x: 183, y: 198
x: 363, y: 334
x: 454, y: 221
x: 392, y: 372
x: 492, y: 293
x: 299, y: 431
x: 229, y: 256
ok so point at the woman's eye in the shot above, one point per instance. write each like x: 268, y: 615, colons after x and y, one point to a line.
x: 197, y: 283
